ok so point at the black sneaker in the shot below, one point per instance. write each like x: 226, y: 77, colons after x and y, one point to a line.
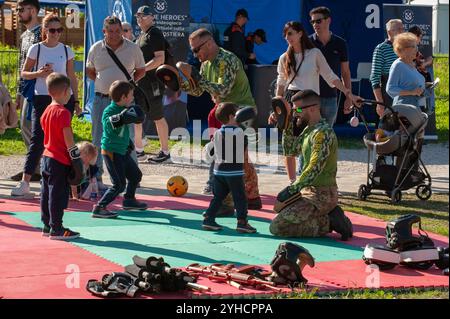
x: 63, y: 234
x: 160, y: 158
x: 101, y: 212
x: 209, y: 224
x: 244, y: 227
x: 133, y: 204
x: 46, y: 231
x: 340, y: 223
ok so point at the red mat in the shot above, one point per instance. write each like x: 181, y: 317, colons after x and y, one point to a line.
x: 35, y: 267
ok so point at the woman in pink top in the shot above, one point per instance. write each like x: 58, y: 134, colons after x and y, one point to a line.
x: 299, y: 69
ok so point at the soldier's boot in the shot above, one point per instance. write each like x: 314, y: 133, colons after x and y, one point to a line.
x: 340, y: 223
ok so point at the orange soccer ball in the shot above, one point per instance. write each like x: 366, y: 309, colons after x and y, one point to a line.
x: 177, y: 186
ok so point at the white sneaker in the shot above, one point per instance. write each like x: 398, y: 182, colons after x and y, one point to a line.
x: 22, y: 189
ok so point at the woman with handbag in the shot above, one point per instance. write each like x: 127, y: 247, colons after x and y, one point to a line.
x: 299, y: 69
x: 43, y: 58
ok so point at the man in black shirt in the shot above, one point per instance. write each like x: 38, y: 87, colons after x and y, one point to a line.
x: 234, y: 36
x: 258, y: 37
x: 27, y: 12
x: 154, y: 47
x: 334, y: 49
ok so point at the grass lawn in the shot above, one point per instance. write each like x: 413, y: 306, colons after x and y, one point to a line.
x: 377, y: 294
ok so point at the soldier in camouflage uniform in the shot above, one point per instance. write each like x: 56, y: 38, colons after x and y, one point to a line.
x: 223, y: 77
x: 303, y: 207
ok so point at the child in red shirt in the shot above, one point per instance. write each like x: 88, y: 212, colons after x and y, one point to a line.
x: 61, y: 163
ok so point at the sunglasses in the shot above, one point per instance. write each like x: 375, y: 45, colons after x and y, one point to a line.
x: 289, y: 33
x: 318, y: 21
x: 59, y: 30
x: 22, y: 9
x: 126, y: 30
x: 300, y: 109
x: 197, y: 49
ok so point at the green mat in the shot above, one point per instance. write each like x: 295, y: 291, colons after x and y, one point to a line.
x: 177, y: 236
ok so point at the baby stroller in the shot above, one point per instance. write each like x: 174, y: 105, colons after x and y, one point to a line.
x: 406, y: 170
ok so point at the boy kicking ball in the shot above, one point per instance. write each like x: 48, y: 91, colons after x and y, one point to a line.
x: 116, y: 149
x: 61, y: 162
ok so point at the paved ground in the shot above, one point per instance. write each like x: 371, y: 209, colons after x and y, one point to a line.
x: 352, y: 171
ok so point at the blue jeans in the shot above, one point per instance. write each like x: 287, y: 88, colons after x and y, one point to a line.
x: 54, y: 192
x: 121, y: 168
x: 98, y: 107
x: 329, y: 109
x: 36, y: 148
x: 222, y: 186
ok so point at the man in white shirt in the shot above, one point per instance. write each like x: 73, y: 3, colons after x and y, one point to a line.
x: 27, y: 13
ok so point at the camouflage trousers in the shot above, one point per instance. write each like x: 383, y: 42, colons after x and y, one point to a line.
x: 307, y: 217
x: 250, y: 181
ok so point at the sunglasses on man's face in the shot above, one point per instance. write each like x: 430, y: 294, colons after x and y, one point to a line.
x: 318, y: 21
x: 126, y: 30
x: 301, y: 108
x: 22, y: 9
x: 197, y: 49
x: 53, y: 30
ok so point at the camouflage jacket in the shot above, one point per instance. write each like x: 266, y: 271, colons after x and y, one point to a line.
x: 319, y: 150
x: 224, y: 77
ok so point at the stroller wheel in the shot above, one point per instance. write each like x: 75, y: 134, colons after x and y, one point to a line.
x: 423, y: 192
x: 363, y: 192
x: 396, y: 196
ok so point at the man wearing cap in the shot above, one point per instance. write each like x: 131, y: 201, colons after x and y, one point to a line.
x: 258, y: 37
x: 234, y: 36
x: 102, y: 69
x: 154, y: 47
x: 307, y: 208
x: 335, y: 51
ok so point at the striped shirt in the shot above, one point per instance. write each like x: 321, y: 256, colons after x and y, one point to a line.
x: 383, y: 57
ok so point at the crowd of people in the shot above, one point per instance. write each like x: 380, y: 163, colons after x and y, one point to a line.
x: 124, y: 69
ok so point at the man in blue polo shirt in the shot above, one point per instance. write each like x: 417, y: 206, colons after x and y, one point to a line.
x: 334, y: 49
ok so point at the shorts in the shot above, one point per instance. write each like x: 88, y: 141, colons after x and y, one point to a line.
x: 154, y: 110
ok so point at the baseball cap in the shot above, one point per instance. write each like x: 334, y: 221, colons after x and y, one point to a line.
x: 262, y: 34
x: 145, y: 10
x: 243, y: 13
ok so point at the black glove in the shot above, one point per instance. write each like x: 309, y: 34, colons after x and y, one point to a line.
x: 76, y: 174
x: 132, y: 114
x: 284, y: 194
x: 286, y: 198
x: 246, y: 117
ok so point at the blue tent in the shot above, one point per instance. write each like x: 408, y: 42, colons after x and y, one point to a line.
x: 359, y: 22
